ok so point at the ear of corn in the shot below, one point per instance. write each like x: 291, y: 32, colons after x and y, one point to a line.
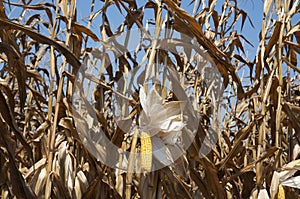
x: 281, y: 193
x: 146, y: 151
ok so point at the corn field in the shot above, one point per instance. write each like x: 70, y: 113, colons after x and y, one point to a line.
x: 149, y: 99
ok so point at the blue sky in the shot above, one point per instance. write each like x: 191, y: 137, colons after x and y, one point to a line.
x: 254, y: 8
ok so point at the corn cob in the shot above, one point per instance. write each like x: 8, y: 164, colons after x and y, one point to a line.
x: 281, y: 192
x: 146, y: 151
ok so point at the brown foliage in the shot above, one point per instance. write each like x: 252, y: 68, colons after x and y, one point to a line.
x: 41, y: 54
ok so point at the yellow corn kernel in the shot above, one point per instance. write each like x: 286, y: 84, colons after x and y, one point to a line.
x: 281, y: 192
x: 146, y: 151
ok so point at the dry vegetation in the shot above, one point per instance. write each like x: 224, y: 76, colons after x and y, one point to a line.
x: 42, y: 48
